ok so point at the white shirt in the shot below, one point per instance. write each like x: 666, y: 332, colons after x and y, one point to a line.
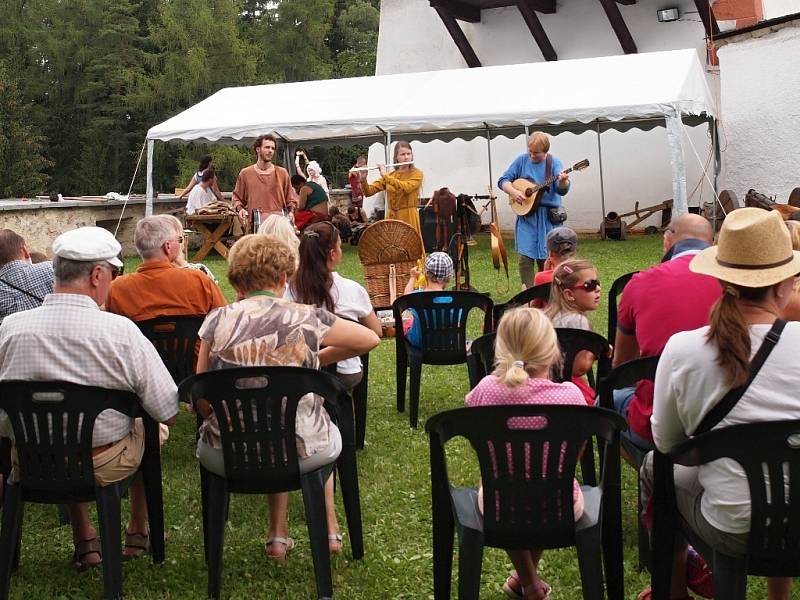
x: 198, y: 198
x: 571, y: 320
x: 689, y: 383
x: 351, y: 301
x: 70, y: 339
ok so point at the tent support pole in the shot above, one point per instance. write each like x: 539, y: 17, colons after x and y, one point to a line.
x: 600, y: 164
x: 148, y: 203
x: 489, y: 155
x: 387, y: 150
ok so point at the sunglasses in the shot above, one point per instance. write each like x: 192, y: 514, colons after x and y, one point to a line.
x: 589, y: 285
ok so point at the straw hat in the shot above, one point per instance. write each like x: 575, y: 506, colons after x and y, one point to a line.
x: 754, y: 250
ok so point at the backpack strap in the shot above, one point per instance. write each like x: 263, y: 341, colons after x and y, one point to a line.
x: 729, y: 400
x: 548, y: 167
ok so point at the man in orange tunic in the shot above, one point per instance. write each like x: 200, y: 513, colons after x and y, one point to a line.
x: 263, y: 187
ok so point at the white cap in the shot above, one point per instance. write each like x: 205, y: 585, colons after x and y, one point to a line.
x: 88, y: 244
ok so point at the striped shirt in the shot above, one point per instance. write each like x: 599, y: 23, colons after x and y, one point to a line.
x: 23, y: 285
x: 70, y: 339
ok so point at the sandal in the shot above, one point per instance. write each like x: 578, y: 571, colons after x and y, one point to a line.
x: 335, y: 543
x: 288, y: 546
x: 540, y: 588
x: 82, y: 549
x: 512, y: 587
x: 138, y: 542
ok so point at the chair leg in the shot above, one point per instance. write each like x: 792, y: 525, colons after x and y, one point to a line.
x: 9, y: 535
x: 644, y: 538
x: 204, y: 508
x: 218, y: 499
x: 443, y: 532
x: 351, y: 498
x: 470, y: 561
x: 108, y: 500
x: 63, y: 515
x: 730, y: 577
x: 153, y: 489
x: 414, y: 386
x: 360, y: 395
x: 314, y: 503
x: 589, y: 547
x: 401, y: 368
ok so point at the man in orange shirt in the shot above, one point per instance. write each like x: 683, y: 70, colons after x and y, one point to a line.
x: 263, y: 187
x: 159, y: 288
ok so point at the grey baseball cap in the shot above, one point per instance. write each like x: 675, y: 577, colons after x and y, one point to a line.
x: 562, y: 241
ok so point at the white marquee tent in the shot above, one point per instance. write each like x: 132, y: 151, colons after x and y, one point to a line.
x: 659, y: 89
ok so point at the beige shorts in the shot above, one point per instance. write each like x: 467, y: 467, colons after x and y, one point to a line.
x: 120, y: 460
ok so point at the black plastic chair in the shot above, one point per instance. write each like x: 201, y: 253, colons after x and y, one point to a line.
x: 443, y: 334
x: 628, y: 374
x: 480, y: 358
x: 529, y: 508
x: 175, y: 339
x: 360, y: 396
x: 613, y: 293
x: 773, y: 548
x: 573, y: 341
x: 58, y: 469
x: 525, y: 297
x: 260, y: 455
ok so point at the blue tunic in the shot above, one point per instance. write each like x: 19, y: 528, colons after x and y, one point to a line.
x: 530, y: 232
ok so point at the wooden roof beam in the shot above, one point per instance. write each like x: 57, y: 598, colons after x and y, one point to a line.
x: 454, y: 29
x: 460, y: 10
x: 620, y: 28
x: 626, y: 2
x: 707, y: 16
x: 528, y: 12
x: 543, y: 6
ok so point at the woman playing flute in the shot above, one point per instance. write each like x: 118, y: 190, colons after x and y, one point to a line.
x: 402, y: 186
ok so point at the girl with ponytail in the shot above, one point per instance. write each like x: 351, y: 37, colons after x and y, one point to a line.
x: 526, y: 348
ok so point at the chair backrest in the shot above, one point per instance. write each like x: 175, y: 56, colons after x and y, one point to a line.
x: 527, y: 481
x: 769, y: 453
x: 483, y: 349
x: 442, y: 318
x: 256, y: 408
x: 525, y: 297
x: 613, y: 293
x: 175, y: 339
x: 53, y: 422
x: 628, y: 374
x: 573, y: 341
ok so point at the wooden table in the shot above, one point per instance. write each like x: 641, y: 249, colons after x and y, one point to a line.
x: 212, y: 238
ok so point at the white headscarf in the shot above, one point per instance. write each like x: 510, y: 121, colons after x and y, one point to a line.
x: 314, y: 166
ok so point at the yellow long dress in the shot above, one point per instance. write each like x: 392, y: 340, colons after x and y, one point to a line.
x: 402, y: 193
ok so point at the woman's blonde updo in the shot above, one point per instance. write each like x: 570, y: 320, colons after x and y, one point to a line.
x: 256, y: 262
x: 526, y: 343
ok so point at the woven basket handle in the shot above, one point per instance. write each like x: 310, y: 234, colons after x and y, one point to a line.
x: 392, y: 284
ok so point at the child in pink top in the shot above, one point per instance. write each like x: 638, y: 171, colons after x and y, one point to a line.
x: 525, y: 348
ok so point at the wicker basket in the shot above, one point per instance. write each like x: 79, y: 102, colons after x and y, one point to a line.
x: 388, y: 250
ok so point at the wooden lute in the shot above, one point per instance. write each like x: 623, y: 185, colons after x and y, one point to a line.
x: 534, y: 191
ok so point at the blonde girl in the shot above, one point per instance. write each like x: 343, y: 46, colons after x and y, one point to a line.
x: 525, y: 349
x: 575, y: 291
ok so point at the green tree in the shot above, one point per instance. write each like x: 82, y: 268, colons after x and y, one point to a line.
x: 22, y: 164
x: 294, y: 34
x: 356, y: 35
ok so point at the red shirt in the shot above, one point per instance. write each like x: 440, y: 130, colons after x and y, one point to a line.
x: 656, y: 304
x: 538, y: 279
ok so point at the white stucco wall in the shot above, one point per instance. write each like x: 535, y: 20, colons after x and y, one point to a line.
x: 778, y: 8
x: 760, y: 87
x: 636, y: 165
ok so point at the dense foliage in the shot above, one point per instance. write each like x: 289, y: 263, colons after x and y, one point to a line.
x: 81, y: 81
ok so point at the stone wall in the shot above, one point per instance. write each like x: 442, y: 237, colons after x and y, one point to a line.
x: 41, y: 222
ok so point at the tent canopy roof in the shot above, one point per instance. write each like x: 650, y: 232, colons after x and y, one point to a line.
x: 620, y: 92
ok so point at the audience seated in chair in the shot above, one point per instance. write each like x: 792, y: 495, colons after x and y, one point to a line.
x: 69, y: 339
x: 755, y: 263
x: 179, y: 259
x: 23, y: 285
x: 281, y: 228
x: 264, y: 329
x: 525, y: 349
x: 159, y: 288
x: 438, y: 271
x: 656, y: 304
x: 316, y: 282
x: 575, y: 292
x: 562, y: 245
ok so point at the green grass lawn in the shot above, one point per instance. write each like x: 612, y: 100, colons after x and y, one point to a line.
x: 395, y: 493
